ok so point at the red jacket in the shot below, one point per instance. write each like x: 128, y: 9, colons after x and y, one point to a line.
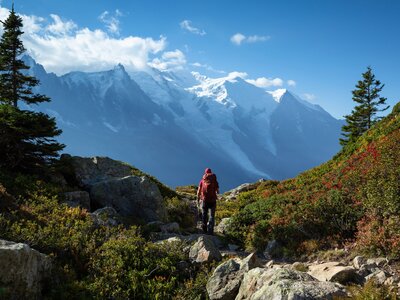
x: 208, y: 188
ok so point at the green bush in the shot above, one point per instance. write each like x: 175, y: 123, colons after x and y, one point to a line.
x: 128, y: 267
x: 179, y: 211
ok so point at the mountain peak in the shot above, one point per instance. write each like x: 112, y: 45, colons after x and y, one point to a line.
x: 278, y: 94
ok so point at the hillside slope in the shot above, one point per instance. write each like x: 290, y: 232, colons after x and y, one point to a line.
x: 353, y: 197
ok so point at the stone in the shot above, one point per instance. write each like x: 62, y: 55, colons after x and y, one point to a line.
x: 378, y: 276
x: 174, y: 239
x: 225, y: 281
x: 91, y: 170
x: 170, y: 227
x: 379, y: 261
x: 269, y: 264
x: 222, y: 226
x: 204, y: 250
x: 77, y: 199
x: 333, y: 271
x: 298, y: 266
x: 232, y: 194
x: 106, y: 216
x: 227, y: 277
x: 250, y: 262
x: 359, y: 261
x: 263, y: 284
x: 131, y: 196
x: 23, y: 270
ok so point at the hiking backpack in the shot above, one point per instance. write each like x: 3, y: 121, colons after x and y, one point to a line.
x: 209, y: 188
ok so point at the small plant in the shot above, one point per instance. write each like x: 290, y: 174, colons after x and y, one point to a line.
x: 371, y: 291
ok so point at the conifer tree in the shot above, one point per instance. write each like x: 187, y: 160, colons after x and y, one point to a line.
x: 26, y: 137
x: 15, y: 85
x: 363, y: 116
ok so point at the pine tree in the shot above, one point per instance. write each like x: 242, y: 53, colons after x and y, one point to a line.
x: 363, y: 116
x: 26, y: 137
x: 14, y: 84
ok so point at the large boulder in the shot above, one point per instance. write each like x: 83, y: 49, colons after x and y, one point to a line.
x: 333, y: 271
x: 274, y: 284
x: 225, y: 282
x: 232, y: 194
x: 131, y: 196
x: 204, y: 250
x: 22, y: 270
x: 90, y: 170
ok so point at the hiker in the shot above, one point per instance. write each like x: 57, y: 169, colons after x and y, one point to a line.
x: 207, y: 195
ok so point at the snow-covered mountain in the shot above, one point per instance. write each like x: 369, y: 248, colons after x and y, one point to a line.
x: 174, y: 124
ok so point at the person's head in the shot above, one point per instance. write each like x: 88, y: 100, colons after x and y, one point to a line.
x: 207, y: 171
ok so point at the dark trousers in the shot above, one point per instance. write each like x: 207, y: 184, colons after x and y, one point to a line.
x: 208, y: 221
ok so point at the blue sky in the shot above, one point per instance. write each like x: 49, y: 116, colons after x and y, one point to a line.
x: 318, y: 49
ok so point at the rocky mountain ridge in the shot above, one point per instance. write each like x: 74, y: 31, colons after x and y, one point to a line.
x: 174, y: 124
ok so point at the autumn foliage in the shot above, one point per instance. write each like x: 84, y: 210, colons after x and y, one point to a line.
x: 352, y: 199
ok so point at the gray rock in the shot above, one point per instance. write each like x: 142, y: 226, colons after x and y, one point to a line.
x: 225, y: 281
x: 222, y: 226
x: 333, y: 271
x: 274, y: 284
x: 232, y: 194
x: 204, y: 250
x: 379, y: 277
x: 215, y: 239
x: 91, y: 170
x: 23, y: 269
x: 106, y: 216
x: 379, y: 261
x: 170, y: 227
x: 77, y: 198
x: 131, y: 196
x: 250, y: 262
x: 359, y: 261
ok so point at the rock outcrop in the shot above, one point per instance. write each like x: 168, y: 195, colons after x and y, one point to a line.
x: 131, y: 196
x: 225, y: 282
x: 204, y: 250
x: 260, y: 284
x: 89, y: 171
x: 22, y: 270
x: 111, y: 183
x: 333, y: 271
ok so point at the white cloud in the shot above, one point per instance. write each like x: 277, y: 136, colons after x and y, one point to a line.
x: 237, y: 38
x: 257, y: 38
x: 58, y: 27
x: 235, y: 74
x: 240, y: 38
x: 207, y: 67
x: 61, y: 46
x: 291, y: 82
x: 111, y: 21
x: 170, y: 60
x: 264, y: 82
x: 309, y: 97
x: 187, y: 25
